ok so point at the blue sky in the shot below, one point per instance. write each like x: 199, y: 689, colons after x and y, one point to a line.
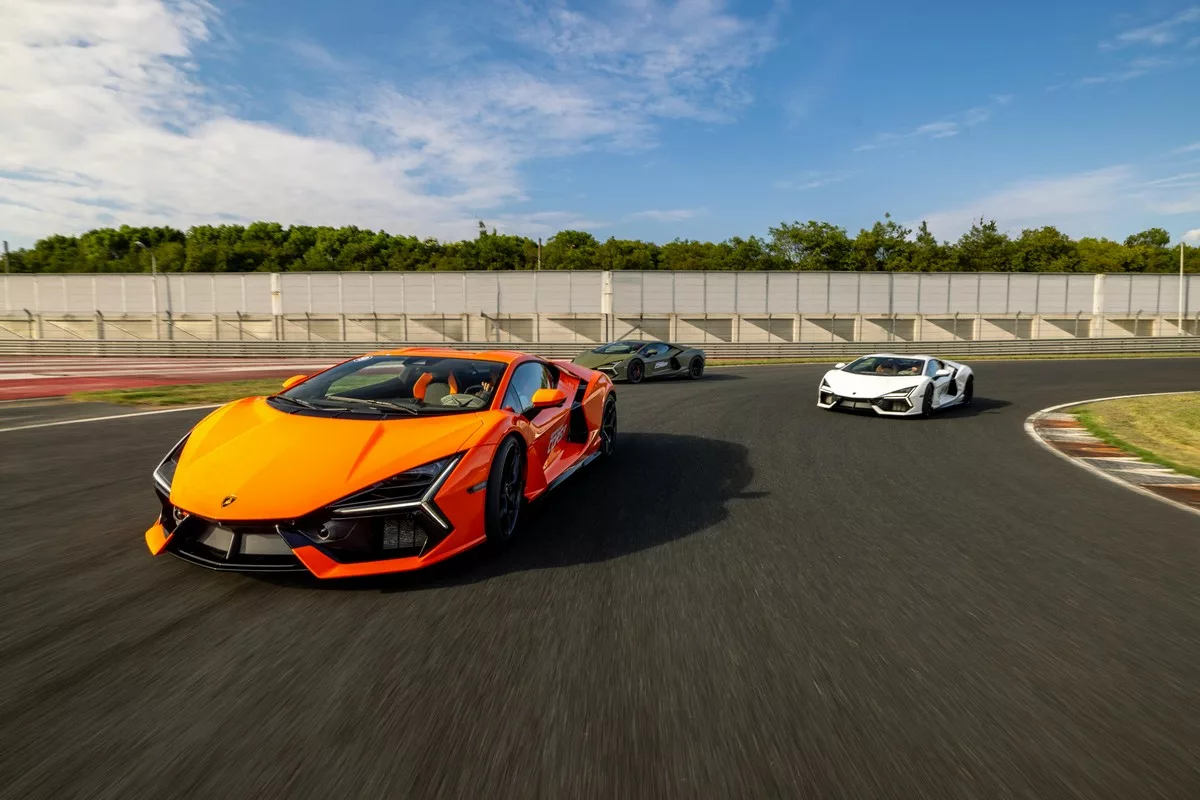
x: 651, y: 119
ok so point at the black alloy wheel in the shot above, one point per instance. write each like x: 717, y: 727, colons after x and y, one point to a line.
x: 608, y: 428
x: 506, y: 491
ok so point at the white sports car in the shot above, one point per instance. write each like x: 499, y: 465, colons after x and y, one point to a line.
x: 897, y: 386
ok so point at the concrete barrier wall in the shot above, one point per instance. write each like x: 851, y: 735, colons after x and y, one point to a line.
x: 634, y: 294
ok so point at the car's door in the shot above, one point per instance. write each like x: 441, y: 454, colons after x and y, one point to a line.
x: 656, y: 356
x: 941, y: 385
x: 549, y: 425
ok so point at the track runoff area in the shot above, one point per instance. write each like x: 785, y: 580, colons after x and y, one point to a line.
x: 755, y: 598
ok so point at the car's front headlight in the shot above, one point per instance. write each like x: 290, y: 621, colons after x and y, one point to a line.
x: 164, y: 473
x: 393, y: 517
x: 899, y: 394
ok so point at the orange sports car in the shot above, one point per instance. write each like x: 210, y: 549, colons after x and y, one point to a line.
x: 385, y: 463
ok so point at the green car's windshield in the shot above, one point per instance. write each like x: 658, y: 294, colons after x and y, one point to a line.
x: 885, y: 365
x: 618, y: 348
x: 401, y: 385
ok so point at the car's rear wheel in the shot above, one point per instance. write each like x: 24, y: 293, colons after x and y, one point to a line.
x: 635, y: 371
x: 927, y: 403
x: 608, y: 428
x: 696, y: 368
x: 505, y: 491
x: 969, y: 391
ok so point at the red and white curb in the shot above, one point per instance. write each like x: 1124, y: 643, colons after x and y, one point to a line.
x: 1062, y: 434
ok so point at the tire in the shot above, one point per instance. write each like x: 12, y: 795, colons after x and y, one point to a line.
x: 969, y: 391
x: 505, y: 491
x: 696, y: 368
x: 608, y: 428
x: 635, y: 371
x: 927, y: 403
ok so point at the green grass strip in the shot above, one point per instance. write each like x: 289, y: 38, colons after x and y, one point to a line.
x: 1088, y: 420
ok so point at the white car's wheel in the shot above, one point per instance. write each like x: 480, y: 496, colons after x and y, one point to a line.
x: 927, y: 403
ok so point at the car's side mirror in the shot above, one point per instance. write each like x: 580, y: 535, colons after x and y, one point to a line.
x: 943, y: 373
x: 839, y: 365
x: 549, y: 398
x: 292, y: 381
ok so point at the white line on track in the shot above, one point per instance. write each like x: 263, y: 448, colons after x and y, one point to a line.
x: 103, y: 419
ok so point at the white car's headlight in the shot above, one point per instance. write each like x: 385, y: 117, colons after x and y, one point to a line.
x: 900, y: 394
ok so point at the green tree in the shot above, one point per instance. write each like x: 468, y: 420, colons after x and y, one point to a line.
x: 929, y: 255
x: 621, y: 254
x: 985, y: 249
x: 1152, y: 251
x: 884, y: 247
x: 570, y: 250
x: 811, y: 245
x: 1103, y: 255
x: 1045, y: 249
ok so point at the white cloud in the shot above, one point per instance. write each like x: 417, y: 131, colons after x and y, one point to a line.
x: 1156, y: 35
x: 811, y: 180
x: 1189, y: 148
x: 1037, y: 202
x: 667, y: 215
x: 677, y: 59
x: 1137, y: 68
x: 107, y: 120
x: 1075, y: 201
x: 1192, y: 236
x: 943, y: 128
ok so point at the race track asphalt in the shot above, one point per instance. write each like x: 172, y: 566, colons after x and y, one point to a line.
x: 754, y: 599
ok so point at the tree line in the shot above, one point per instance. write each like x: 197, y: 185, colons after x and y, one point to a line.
x: 885, y: 246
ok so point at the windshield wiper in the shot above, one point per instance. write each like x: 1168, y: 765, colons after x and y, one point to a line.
x: 380, y: 404
x: 297, y: 401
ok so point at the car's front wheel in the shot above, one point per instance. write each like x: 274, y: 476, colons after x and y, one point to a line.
x: 505, y: 491
x: 635, y: 371
x: 969, y: 391
x: 927, y: 403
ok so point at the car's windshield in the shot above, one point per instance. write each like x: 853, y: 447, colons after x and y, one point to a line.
x: 618, y: 348
x: 885, y: 365
x: 407, y: 385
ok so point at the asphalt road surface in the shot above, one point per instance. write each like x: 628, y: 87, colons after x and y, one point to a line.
x: 756, y: 598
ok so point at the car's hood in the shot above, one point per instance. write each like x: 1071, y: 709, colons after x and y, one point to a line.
x: 848, y: 384
x: 281, y: 466
x: 594, y: 360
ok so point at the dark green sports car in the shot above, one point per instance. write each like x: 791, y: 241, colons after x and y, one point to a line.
x: 633, y: 361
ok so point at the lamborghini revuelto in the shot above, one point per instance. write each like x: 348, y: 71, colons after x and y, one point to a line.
x: 897, y: 386
x: 385, y: 463
x: 635, y: 360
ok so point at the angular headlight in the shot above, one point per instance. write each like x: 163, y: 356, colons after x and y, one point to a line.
x: 164, y: 473
x: 900, y: 394
x: 414, y: 488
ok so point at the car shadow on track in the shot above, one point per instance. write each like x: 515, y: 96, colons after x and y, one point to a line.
x: 980, y: 405
x: 656, y: 489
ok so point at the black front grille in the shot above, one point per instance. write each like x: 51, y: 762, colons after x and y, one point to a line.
x: 241, y: 548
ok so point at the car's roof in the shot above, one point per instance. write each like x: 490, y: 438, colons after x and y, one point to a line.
x: 896, y: 355
x: 503, y: 356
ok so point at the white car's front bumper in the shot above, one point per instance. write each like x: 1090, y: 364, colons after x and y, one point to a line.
x: 883, y: 406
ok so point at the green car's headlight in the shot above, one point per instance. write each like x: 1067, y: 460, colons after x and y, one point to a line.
x: 164, y: 473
